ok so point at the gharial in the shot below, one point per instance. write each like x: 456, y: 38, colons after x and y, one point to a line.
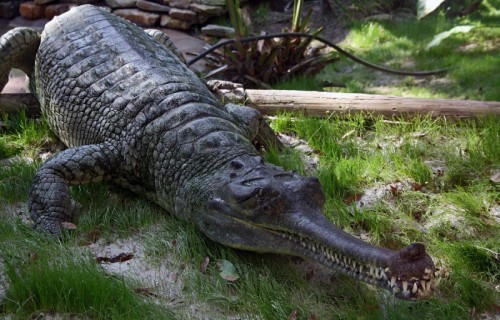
x: 130, y: 111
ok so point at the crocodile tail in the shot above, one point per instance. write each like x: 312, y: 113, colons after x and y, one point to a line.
x: 166, y: 42
x: 18, y: 49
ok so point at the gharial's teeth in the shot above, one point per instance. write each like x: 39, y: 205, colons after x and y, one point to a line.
x: 415, y: 288
x: 361, y: 269
x: 393, y: 281
x: 371, y: 270
x: 437, y: 281
x: 383, y: 275
x: 405, y: 286
x: 428, y: 287
x: 423, y: 283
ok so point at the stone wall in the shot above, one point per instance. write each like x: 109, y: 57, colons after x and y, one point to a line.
x: 175, y: 14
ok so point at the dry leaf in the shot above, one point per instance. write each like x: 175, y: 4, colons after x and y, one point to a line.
x: 418, y: 134
x: 68, y: 225
x: 394, y: 189
x: 227, y: 270
x: 495, y: 177
x: 348, y: 134
x: 122, y: 257
x: 353, y: 198
x: 293, y: 315
x: 416, y: 186
x: 145, y: 292
x: 204, y: 265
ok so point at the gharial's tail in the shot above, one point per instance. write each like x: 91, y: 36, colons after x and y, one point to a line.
x: 18, y: 49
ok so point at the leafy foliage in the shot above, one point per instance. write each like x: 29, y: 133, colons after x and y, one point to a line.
x: 267, y: 62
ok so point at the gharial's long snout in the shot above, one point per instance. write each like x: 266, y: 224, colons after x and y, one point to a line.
x: 265, y: 209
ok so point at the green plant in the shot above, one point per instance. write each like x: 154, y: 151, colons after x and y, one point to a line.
x: 269, y: 61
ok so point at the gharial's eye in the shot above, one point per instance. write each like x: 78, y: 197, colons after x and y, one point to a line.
x: 240, y: 193
x: 255, y: 181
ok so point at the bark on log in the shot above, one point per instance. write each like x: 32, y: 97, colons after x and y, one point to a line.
x: 322, y: 104
x: 13, y: 102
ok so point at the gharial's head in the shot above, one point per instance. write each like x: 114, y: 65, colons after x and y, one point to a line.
x: 260, y: 207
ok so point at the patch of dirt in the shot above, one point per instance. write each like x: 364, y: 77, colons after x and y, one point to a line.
x: 3, y: 283
x: 308, y: 155
x: 450, y: 220
x: 158, y: 280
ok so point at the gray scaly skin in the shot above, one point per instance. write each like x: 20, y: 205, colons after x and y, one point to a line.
x: 131, y: 112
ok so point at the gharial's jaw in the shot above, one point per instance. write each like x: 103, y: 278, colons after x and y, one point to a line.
x: 265, y: 209
x: 409, y: 273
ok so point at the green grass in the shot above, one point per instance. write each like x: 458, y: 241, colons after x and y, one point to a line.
x: 356, y: 153
x: 472, y: 57
x: 46, y: 276
x: 24, y: 136
x: 451, y: 214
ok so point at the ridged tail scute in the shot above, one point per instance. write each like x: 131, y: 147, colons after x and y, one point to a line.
x: 18, y: 48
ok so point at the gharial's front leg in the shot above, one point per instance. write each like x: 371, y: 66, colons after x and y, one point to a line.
x: 50, y: 200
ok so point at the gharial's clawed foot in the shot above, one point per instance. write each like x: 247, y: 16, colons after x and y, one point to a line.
x: 227, y: 90
x: 49, y: 225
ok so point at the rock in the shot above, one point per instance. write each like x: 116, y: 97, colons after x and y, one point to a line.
x: 39, y: 2
x: 212, y: 2
x: 204, y: 12
x: 164, y: 20
x: 379, y: 17
x: 139, y: 17
x: 121, y: 3
x: 184, y: 15
x: 183, y: 4
x: 9, y: 9
x: 208, y: 10
x: 152, y: 6
x: 31, y: 11
x: 53, y: 10
x: 170, y: 22
x: 23, y: 22
x: 79, y: 1
x: 217, y: 31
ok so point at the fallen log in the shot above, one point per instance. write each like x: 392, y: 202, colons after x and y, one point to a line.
x: 13, y: 102
x: 322, y: 104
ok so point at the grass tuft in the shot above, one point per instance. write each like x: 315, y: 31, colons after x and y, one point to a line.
x: 45, y: 275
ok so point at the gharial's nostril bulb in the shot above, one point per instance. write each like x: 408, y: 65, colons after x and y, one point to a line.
x: 236, y: 164
x: 414, y: 250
